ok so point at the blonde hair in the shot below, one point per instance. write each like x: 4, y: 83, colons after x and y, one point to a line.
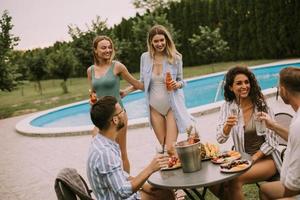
x: 170, y: 50
x: 98, y: 39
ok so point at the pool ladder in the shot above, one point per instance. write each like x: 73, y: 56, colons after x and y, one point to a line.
x: 220, y: 86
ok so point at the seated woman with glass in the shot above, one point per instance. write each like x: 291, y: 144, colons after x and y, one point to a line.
x: 244, y: 101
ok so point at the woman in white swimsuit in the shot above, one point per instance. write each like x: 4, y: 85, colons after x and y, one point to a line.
x: 167, y: 111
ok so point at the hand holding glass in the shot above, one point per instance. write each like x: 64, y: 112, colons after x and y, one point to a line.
x: 234, y: 112
x: 160, y: 149
x: 260, y: 125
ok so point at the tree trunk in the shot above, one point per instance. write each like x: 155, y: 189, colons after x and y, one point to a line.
x: 40, y: 87
x: 64, y: 87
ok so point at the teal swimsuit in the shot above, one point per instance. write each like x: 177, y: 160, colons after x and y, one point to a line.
x: 107, y: 85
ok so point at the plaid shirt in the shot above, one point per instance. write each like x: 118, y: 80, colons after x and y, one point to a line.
x: 105, y: 172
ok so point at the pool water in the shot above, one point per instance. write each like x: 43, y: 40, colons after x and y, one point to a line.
x: 197, y: 92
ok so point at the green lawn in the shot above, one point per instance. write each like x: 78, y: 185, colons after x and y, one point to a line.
x: 27, y: 99
x: 250, y: 192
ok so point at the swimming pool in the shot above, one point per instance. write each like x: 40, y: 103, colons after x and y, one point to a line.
x: 198, y: 92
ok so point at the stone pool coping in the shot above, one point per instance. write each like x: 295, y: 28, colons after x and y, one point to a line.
x: 25, y: 128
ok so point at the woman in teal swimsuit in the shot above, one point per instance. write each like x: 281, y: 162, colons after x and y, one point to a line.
x: 104, y: 79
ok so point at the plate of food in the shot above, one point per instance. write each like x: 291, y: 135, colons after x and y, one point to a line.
x: 208, y: 151
x: 174, y: 163
x: 225, y: 157
x: 235, y: 166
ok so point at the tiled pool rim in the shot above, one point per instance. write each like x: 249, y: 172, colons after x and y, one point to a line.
x: 25, y: 128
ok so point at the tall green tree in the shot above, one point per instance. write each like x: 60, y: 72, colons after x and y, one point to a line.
x: 151, y: 5
x: 8, y: 75
x: 61, y: 63
x: 296, y: 31
x: 244, y: 31
x: 36, y: 62
x: 209, y: 45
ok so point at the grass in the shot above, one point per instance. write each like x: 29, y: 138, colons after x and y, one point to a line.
x: 250, y: 192
x: 27, y: 98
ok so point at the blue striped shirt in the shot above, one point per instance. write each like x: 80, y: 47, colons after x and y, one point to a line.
x: 105, y: 173
x: 237, y: 132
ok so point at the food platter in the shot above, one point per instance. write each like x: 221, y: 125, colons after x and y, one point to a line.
x: 208, y: 151
x: 235, y: 166
x: 225, y: 157
x: 176, y: 166
x: 174, y: 163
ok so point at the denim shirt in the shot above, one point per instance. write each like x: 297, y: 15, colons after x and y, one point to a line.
x: 176, y: 97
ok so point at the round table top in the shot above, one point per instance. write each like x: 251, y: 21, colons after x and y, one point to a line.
x: 208, y: 175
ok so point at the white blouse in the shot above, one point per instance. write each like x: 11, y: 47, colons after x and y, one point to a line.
x: 237, y: 132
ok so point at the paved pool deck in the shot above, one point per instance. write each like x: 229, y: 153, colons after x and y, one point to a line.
x: 29, y: 165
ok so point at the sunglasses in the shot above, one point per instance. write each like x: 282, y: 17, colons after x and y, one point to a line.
x: 117, y: 114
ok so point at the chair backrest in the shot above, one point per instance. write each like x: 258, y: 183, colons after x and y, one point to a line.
x: 283, y: 119
x: 69, y: 185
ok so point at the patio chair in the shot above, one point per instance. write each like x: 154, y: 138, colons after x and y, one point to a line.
x: 69, y: 185
x: 283, y: 119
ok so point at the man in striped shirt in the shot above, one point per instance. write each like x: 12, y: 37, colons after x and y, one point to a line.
x: 104, y: 166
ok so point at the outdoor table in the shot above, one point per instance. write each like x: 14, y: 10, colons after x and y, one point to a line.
x: 209, y: 175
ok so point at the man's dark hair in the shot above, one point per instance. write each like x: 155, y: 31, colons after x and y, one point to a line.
x: 102, y: 112
x: 290, y: 79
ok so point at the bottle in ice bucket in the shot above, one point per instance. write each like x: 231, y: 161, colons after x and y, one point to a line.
x: 93, y: 96
x: 189, y: 151
x: 168, y: 81
x: 192, y: 135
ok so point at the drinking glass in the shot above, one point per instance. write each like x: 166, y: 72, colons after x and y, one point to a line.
x: 162, y: 150
x: 260, y: 125
x: 234, y: 111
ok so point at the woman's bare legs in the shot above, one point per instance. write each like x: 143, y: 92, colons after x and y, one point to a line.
x: 122, y: 141
x: 275, y: 190
x: 172, y: 131
x: 158, y: 124
x: 164, y: 127
x: 272, y: 190
x: 261, y: 170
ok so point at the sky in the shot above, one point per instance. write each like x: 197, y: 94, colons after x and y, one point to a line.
x: 40, y: 23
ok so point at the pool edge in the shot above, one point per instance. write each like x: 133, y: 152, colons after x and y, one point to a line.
x: 24, y: 128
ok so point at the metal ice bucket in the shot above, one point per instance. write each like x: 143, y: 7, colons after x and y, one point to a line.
x: 189, y: 155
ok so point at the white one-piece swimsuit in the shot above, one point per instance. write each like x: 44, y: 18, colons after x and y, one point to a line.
x: 159, y: 99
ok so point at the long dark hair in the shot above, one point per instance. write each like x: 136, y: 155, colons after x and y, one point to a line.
x: 255, y: 94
